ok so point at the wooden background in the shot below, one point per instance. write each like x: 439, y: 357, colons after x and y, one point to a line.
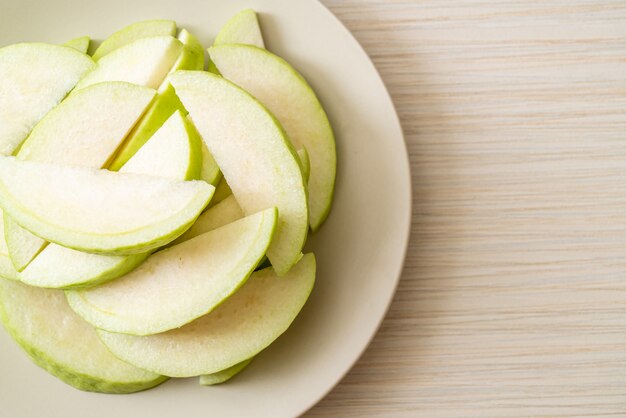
x: 513, y: 297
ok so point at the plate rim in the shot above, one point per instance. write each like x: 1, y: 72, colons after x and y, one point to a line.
x: 397, y: 276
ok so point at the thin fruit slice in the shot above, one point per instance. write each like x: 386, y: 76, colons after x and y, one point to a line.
x: 173, y: 152
x: 192, y: 57
x: 210, y: 172
x: 58, y: 267
x: 237, y: 330
x: 34, y: 78
x: 144, y: 62
x: 243, y: 28
x: 85, y: 129
x: 99, y: 211
x: 289, y: 97
x: 164, y: 106
x: 224, y: 375
x: 80, y: 44
x: 223, y: 213
x: 133, y: 32
x: 194, y: 154
x: 179, y: 284
x: 255, y: 157
x: 22, y: 245
x: 59, y: 341
x: 180, y: 142
x: 305, y: 163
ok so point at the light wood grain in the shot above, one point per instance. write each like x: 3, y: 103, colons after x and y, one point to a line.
x: 513, y: 297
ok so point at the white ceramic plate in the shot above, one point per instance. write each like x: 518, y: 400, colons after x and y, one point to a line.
x: 360, y: 249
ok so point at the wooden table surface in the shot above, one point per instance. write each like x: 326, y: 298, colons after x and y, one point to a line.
x: 513, y: 297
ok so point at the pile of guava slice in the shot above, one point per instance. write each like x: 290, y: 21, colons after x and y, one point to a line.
x: 155, y: 202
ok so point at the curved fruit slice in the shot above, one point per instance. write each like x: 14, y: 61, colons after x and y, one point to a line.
x: 179, y: 284
x: 224, y: 375
x: 164, y: 106
x: 237, y: 330
x: 210, y: 172
x: 22, y: 245
x: 98, y: 210
x: 80, y: 44
x: 34, y: 78
x: 180, y: 142
x: 63, y: 268
x: 223, y: 213
x: 85, y: 129
x: 133, y: 32
x: 144, y: 62
x: 192, y: 57
x: 62, y: 343
x: 289, y: 97
x: 243, y: 28
x: 253, y: 154
x: 305, y: 163
x: 173, y: 152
